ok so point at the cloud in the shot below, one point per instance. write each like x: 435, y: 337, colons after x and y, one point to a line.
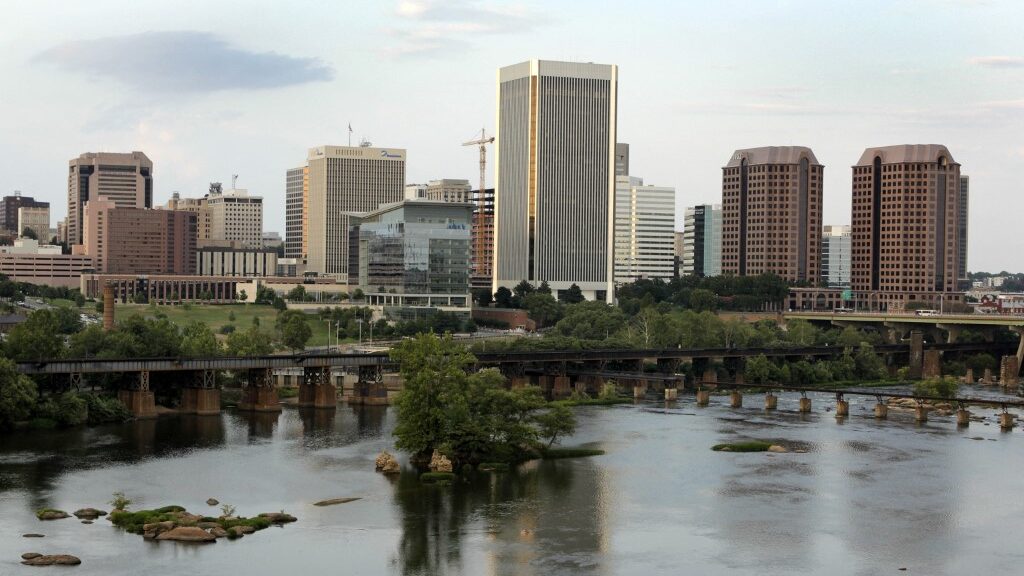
x: 432, y: 26
x: 998, y: 61
x: 183, y: 62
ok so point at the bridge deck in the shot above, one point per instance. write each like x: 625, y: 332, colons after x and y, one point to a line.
x: 909, y: 318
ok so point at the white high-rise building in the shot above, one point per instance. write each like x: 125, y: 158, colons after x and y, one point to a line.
x: 702, y: 241
x: 415, y: 191
x: 836, y: 256
x: 236, y: 218
x: 343, y: 180
x: 555, y: 176
x: 644, y: 230
x: 295, y: 192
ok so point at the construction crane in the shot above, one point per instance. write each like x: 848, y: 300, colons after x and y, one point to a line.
x: 482, y: 142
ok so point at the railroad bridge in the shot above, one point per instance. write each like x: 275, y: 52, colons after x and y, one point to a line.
x: 556, y: 372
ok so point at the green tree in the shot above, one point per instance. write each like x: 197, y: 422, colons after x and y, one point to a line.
x: 29, y: 233
x: 357, y: 294
x: 297, y: 294
x: 38, y: 337
x: 591, y: 321
x: 758, y: 369
x: 573, y: 295
x: 802, y: 333
x: 296, y: 332
x: 557, y: 421
x: 703, y: 300
x: 483, y: 297
x: 544, y: 288
x: 542, y: 308
x: 17, y: 394
x: 869, y: 365
x: 197, y: 340
x: 241, y: 296
x: 520, y: 292
x: 849, y: 338
x: 503, y: 298
x: 251, y: 342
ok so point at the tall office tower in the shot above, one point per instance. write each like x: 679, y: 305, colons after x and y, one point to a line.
x: 771, y: 213
x: 343, y: 180
x: 702, y: 241
x: 482, y: 246
x: 236, y: 219
x: 36, y: 219
x: 905, y: 206
x: 555, y: 176
x: 138, y: 241
x: 125, y: 179
x: 961, y: 232
x: 62, y: 231
x: 449, y: 190
x: 677, y: 249
x: 197, y: 206
x: 835, y: 256
x: 9, y: 212
x: 294, y: 215
x: 645, y: 219
x: 621, y: 159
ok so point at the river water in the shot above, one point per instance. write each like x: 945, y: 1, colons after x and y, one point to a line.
x: 867, y: 496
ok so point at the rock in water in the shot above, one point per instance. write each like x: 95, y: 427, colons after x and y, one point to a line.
x: 30, y: 555
x: 387, y: 463
x: 51, y: 514
x: 33, y: 535
x: 212, y: 502
x: 218, y: 532
x: 89, y: 513
x: 440, y: 462
x: 776, y: 448
x: 277, y: 518
x: 58, y: 559
x: 187, y: 534
x: 334, y: 501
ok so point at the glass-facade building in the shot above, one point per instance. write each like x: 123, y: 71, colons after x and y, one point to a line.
x: 413, y: 253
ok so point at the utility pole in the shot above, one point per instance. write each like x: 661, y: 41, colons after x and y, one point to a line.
x: 482, y: 142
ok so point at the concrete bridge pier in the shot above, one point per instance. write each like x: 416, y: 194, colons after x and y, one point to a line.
x: 986, y: 377
x: 881, y: 409
x: 963, y: 417
x: 805, y: 403
x: 921, y: 413
x: 139, y: 399
x: 671, y: 393
x: 1007, y: 420
x: 201, y: 397
x: 520, y: 381
x: 969, y: 377
x: 842, y: 407
x: 258, y: 392
x: 932, y: 364
x: 369, y: 389
x: 703, y: 397
x: 316, y: 389
x: 561, y: 387
x: 771, y: 401
x: 952, y: 331
x: 1009, y: 368
x: 916, y: 364
x: 736, y: 399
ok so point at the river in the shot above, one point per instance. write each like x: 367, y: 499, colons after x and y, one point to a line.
x: 867, y: 496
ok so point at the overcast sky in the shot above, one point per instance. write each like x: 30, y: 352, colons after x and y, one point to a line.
x: 213, y: 88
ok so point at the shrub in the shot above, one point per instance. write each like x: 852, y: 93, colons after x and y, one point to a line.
x: 609, y: 391
x: 227, y: 329
x: 103, y: 409
x: 944, y: 387
x: 120, y: 501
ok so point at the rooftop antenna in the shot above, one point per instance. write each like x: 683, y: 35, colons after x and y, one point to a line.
x: 350, y: 134
x: 364, y: 143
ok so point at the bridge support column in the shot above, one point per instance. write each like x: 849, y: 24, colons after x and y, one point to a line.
x: 881, y: 410
x: 736, y: 399
x: 952, y: 332
x: 969, y: 377
x: 1020, y: 346
x: 986, y: 377
x: 703, y: 397
x: 258, y: 392
x: 710, y: 376
x: 202, y: 396
x: 916, y: 364
x: 842, y: 407
x: 771, y: 401
x: 1006, y: 420
x: 560, y: 387
x: 139, y: 399
x: 963, y: 417
x: 1008, y: 370
x: 639, y: 389
x: 546, y: 383
x: 805, y: 404
x: 932, y: 364
x: 316, y: 389
x: 671, y: 394
x: 921, y: 413
x: 370, y: 388
x: 519, y: 382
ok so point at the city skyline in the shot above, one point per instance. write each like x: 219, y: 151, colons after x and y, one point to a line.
x: 685, y: 90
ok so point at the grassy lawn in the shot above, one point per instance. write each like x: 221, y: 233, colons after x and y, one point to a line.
x: 216, y: 316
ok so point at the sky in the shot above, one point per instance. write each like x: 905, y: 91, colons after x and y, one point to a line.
x: 211, y: 88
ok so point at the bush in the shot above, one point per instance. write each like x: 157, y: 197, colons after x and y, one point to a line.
x: 227, y: 329
x: 68, y: 409
x: 103, y: 409
x: 944, y: 387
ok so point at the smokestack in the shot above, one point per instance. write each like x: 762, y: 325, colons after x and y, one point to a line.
x: 108, y: 307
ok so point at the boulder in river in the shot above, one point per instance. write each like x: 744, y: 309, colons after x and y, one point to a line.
x: 89, y: 513
x: 334, y: 501
x: 218, y: 532
x: 50, y: 560
x: 187, y: 534
x: 50, y: 514
x: 33, y: 535
x: 154, y: 529
x: 278, y: 517
x: 776, y: 448
x: 440, y: 463
x: 387, y: 463
x: 30, y: 555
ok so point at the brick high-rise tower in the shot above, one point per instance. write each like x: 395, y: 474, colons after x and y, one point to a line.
x: 771, y: 213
